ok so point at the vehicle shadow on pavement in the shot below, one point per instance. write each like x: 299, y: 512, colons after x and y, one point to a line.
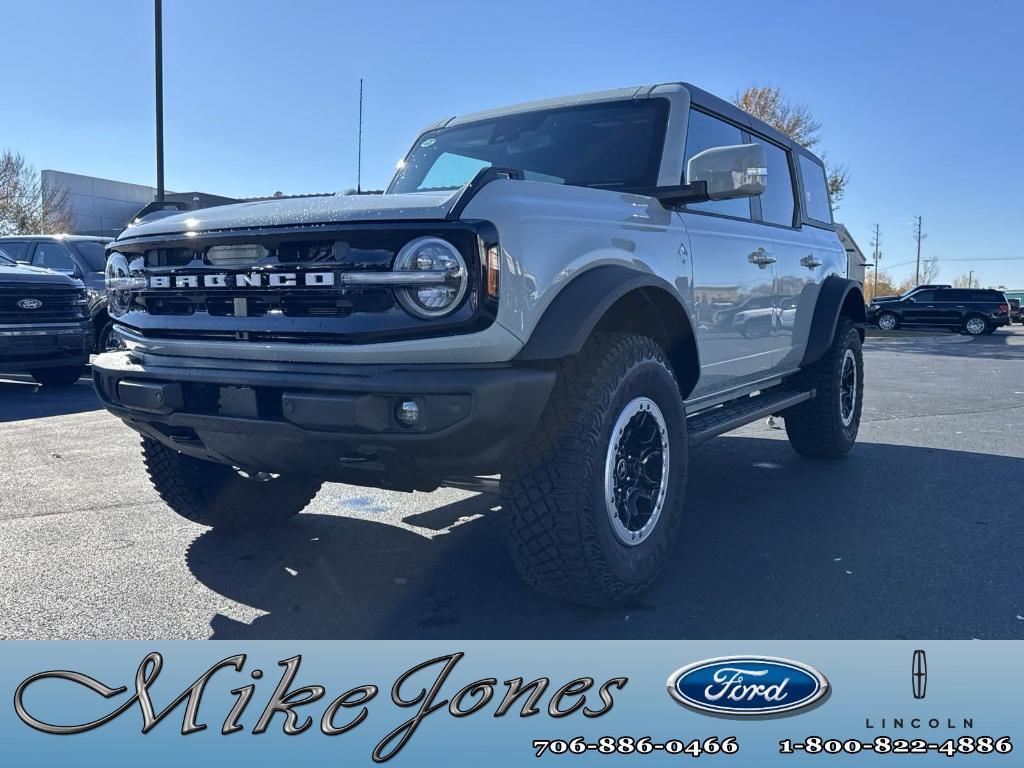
x: 1002, y: 345
x: 22, y: 398
x: 892, y: 542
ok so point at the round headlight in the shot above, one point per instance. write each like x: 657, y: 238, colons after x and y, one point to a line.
x: 116, y: 278
x: 438, y: 298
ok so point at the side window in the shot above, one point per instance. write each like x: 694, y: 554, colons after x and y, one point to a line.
x: 16, y: 249
x: 815, y: 190
x: 923, y: 296
x: 704, y: 132
x: 53, y: 256
x: 955, y: 294
x: 777, y: 202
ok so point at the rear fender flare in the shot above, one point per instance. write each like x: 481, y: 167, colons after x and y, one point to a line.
x: 837, y: 296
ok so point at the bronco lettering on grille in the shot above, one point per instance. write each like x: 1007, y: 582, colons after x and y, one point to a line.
x: 244, y: 280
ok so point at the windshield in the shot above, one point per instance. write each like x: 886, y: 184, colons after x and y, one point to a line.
x: 92, y: 252
x: 5, y: 258
x: 615, y: 145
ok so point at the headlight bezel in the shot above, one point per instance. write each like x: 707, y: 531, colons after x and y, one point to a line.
x: 455, y: 266
x: 115, y: 279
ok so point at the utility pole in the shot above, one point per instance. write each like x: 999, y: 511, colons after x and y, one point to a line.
x: 919, y: 235
x: 970, y: 279
x: 359, y: 146
x: 158, y: 40
x: 877, y: 243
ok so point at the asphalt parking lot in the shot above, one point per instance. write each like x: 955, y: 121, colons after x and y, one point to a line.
x: 919, y: 533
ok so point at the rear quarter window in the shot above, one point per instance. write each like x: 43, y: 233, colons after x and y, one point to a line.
x: 991, y: 296
x: 816, y: 202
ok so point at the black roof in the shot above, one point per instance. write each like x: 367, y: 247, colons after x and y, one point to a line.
x: 702, y: 98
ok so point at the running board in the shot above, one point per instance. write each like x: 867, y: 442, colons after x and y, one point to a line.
x: 713, y: 422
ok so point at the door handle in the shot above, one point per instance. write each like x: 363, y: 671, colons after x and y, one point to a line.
x: 810, y: 261
x: 761, y: 258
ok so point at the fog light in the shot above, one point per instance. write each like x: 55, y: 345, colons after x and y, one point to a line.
x: 407, y: 413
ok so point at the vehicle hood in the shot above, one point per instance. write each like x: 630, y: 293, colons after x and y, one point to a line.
x: 26, y: 274
x: 883, y: 299
x: 328, y: 209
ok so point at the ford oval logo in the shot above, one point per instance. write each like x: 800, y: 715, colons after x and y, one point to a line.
x: 747, y: 685
x: 30, y: 303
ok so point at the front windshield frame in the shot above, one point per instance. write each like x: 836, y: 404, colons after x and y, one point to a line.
x: 5, y: 257
x: 647, y: 179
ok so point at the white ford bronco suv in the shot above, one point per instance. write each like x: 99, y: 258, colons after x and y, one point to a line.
x: 567, y: 295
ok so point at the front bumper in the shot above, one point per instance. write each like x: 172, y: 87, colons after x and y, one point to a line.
x: 50, y: 345
x: 330, y: 422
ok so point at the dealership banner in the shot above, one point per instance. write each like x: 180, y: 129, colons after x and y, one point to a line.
x: 749, y: 704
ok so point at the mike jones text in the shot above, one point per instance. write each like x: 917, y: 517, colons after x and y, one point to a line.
x: 421, y: 688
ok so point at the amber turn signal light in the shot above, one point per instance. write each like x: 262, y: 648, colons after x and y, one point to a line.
x: 493, y: 267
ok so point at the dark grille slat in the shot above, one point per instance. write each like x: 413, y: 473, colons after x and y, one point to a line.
x: 59, y: 305
x: 305, y: 303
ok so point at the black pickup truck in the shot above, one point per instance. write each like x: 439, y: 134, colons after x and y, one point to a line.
x: 44, y: 324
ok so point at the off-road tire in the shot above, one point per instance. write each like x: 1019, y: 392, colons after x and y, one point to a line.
x: 218, y: 495
x: 815, y: 427
x: 555, y: 518
x: 64, y: 376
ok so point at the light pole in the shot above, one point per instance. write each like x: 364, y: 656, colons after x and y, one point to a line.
x: 158, y: 40
x: 919, y: 235
x: 877, y: 243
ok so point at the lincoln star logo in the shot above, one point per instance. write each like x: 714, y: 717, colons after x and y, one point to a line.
x: 746, y: 686
x: 919, y: 674
x: 30, y: 303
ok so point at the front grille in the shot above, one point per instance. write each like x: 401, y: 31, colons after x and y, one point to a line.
x: 57, y: 304
x: 302, y: 303
x: 180, y: 301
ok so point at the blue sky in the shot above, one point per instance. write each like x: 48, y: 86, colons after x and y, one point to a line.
x: 919, y: 100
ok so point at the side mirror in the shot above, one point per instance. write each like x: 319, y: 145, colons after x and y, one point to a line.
x: 730, y: 172
x: 158, y: 209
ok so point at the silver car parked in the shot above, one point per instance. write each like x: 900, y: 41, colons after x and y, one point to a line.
x: 554, y: 302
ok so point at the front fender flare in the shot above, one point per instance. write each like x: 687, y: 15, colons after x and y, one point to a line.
x: 576, y: 310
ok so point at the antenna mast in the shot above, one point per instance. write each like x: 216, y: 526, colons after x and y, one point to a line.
x: 359, y: 146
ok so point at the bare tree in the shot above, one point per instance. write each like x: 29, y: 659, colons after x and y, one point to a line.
x: 964, y: 281
x: 770, y: 104
x: 929, y: 269
x: 886, y: 287
x: 26, y: 208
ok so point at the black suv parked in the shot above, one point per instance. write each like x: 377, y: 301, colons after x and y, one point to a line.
x: 78, y: 256
x: 975, y: 311
x: 44, y: 324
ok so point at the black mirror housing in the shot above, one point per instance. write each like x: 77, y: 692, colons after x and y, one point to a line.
x: 680, y: 194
